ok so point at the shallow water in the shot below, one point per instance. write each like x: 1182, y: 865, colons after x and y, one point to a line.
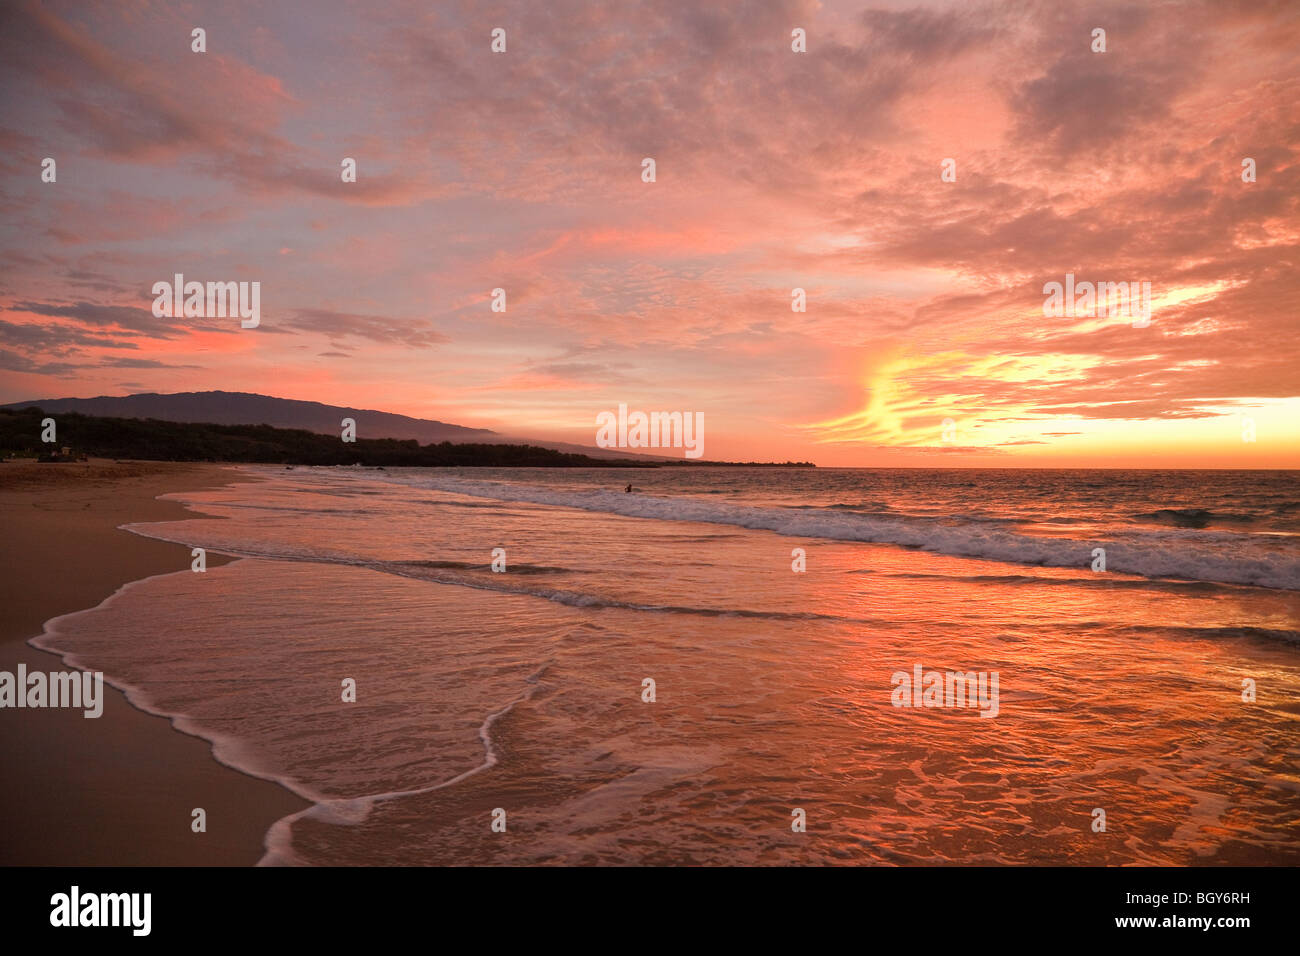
x: 1118, y: 690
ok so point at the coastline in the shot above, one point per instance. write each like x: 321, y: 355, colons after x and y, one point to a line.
x: 65, y: 775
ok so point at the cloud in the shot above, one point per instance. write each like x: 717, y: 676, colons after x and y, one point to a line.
x: 56, y: 336
x: 412, y: 333
x: 140, y: 363
x: 775, y: 170
x: 114, y: 318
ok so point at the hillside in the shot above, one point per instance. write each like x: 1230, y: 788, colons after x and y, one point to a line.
x: 154, y: 440
x: 249, y: 408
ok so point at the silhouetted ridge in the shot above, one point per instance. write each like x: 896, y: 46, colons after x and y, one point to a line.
x: 151, y: 439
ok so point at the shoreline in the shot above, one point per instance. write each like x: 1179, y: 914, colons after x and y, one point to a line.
x: 117, y: 790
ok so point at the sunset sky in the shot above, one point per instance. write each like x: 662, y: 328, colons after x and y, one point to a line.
x: 775, y: 170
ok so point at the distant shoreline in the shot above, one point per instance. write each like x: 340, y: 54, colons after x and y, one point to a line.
x: 151, y: 439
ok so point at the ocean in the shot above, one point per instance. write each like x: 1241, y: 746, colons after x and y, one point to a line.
x: 707, y: 670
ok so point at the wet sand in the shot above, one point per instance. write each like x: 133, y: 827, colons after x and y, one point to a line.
x: 119, y: 789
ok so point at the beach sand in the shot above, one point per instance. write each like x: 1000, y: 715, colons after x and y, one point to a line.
x: 119, y: 789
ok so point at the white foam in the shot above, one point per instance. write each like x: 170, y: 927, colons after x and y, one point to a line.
x: 232, y: 752
x: 351, y: 811
x: 1221, y: 557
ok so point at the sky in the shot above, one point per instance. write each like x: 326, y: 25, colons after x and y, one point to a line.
x: 924, y: 340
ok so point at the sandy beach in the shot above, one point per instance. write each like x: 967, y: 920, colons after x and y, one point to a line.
x: 120, y: 789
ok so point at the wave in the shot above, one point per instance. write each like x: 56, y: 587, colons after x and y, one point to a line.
x: 465, y: 574
x: 470, y: 566
x: 1107, y: 582
x: 227, y: 749
x: 861, y: 507
x: 235, y: 752
x: 1224, y: 558
x: 1194, y: 517
x: 350, y: 811
x: 1231, y: 631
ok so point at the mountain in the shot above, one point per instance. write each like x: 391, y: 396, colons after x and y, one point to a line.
x: 248, y: 408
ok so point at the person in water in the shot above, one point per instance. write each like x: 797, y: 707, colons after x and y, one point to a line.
x: 628, y: 489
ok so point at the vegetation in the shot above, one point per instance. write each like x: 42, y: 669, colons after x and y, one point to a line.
x: 149, y: 439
